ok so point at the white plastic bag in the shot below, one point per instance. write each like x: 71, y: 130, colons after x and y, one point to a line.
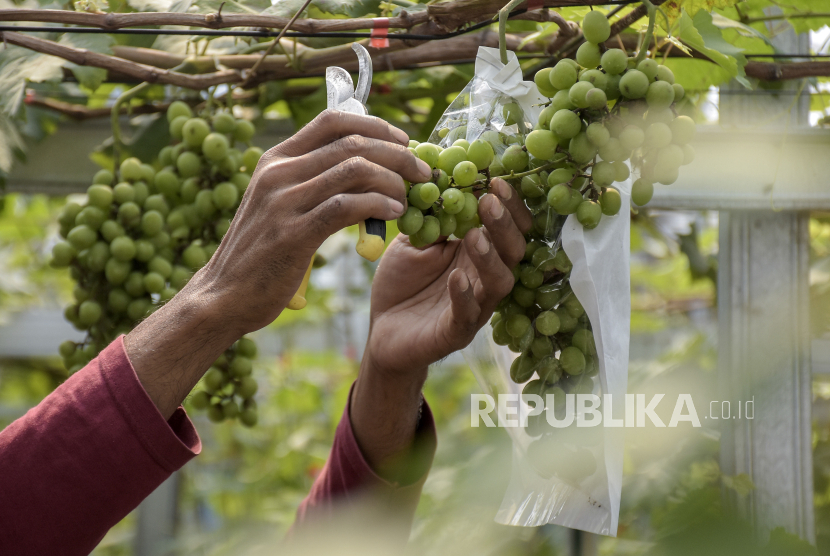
x: 600, y: 280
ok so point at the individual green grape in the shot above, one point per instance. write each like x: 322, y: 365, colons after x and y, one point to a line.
x: 565, y: 124
x: 587, y: 55
x: 670, y: 157
x: 176, y: 127
x: 180, y: 276
x: 205, y: 207
x: 151, y: 223
x: 531, y: 186
x: 134, y: 285
x: 481, y: 154
x: 683, y: 130
x: 541, y: 144
x: 463, y: 143
x: 441, y: 179
x: 194, y: 256
x: 429, y: 193
x: 430, y: 231
x: 100, y: 196
x: 470, y: 209
x: 178, y: 108
x: 130, y: 169
x: 665, y: 74
x: 141, y: 192
x: 244, y: 131
x: 610, y: 201
x: 597, y: 134
x: 523, y: 296
x: 657, y: 135
x: 631, y: 137
x: 103, y: 177
x: 429, y: 153
x: 563, y: 75
x: 215, y: 413
x: 583, y: 339
x: 679, y: 91
x: 515, y: 158
x: 561, y: 101
x: 225, y: 196
x: 531, y: 278
x: 589, y: 214
x: 649, y: 68
x: 595, y: 27
x: 415, y: 198
x: 578, y: 93
x: 111, y: 229
x: 157, y: 203
x: 448, y: 223
x: 190, y: 188
x: 167, y: 183
x: 614, y: 61
x: 246, y: 347
x: 194, y: 132
x: 581, y: 149
x: 250, y: 158
x: 660, y: 94
x: 188, y: 164
x: 596, y: 99
x: 603, y: 174
x: 563, y: 263
x: 123, y: 193
x: 634, y: 84
x: 574, y: 307
x: 500, y: 335
x: 67, y: 348
x: 91, y: 216
x: 641, y: 191
x: 572, y: 360
x: 453, y: 201
x: 547, y: 296
x: 224, y: 122
x: 512, y: 113
x: 450, y: 157
x: 412, y: 220
x: 89, y: 312
x: 81, y: 237
x: 594, y: 77
x: 621, y: 171
x: 530, y: 248
x: 561, y: 175
x: 153, y: 282
x: 541, y: 347
x: 559, y: 197
x: 547, y: 323
x: 522, y: 369
x: 62, y: 254
x: 123, y: 248
x: 517, y: 325
x: 160, y: 266
x: 241, y: 180
x: 215, y: 147
x: 98, y: 256
x: 241, y: 366
x: 542, y: 80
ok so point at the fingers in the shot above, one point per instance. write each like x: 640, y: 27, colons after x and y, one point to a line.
x: 503, y: 231
x: 331, y: 125
x: 463, y: 305
x: 392, y: 156
x: 355, y: 175
x: 518, y: 210
x: 347, y: 209
x: 495, y: 280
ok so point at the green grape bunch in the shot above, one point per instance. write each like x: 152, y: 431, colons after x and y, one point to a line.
x: 141, y: 235
x: 606, y: 115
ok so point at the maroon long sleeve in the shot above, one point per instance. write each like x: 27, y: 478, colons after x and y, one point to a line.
x: 76, y: 464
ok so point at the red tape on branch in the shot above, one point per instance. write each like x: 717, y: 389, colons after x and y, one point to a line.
x: 535, y: 5
x: 380, y: 31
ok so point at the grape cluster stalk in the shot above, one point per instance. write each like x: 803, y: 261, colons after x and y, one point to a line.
x: 606, y: 113
x: 141, y: 235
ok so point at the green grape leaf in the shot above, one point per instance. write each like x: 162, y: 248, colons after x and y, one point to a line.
x: 17, y: 65
x: 675, y: 8
x: 230, y: 6
x: 700, y: 34
x: 326, y: 9
x: 722, y: 22
x: 89, y: 77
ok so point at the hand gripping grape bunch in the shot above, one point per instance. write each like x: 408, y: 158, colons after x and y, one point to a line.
x: 139, y: 238
x: 606, y: 114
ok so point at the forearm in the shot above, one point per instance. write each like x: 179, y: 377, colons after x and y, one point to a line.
x: 173, y: 347
x: 385, y: 408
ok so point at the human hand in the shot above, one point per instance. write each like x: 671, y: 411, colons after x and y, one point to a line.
x: 337, y: 171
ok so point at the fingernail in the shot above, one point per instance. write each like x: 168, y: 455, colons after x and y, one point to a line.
x: 464, y: 283
x: 497, y: 209
x: 426, y: 171
x: 482, y: 245
x: 395, y: 206
x: 505, y: 191
x: 399, y: 135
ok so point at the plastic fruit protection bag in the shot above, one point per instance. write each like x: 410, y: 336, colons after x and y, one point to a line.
x: 567, y: 474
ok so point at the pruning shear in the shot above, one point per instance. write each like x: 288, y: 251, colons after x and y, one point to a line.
x: 343, y: 95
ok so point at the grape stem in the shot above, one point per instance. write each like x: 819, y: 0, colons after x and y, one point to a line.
x: 652, y: 18
x: 514, y: 176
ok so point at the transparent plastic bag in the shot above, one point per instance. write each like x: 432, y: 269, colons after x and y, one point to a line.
x: 568, y: 476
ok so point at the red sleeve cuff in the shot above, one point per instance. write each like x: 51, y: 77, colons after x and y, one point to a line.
x: 171, y: 443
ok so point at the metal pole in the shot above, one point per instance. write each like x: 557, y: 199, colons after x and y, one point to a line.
x: 157, y: 519
x: 764, y: 336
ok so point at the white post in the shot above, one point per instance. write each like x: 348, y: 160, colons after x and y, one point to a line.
x: 157, y: 519
x: 764, y: 333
